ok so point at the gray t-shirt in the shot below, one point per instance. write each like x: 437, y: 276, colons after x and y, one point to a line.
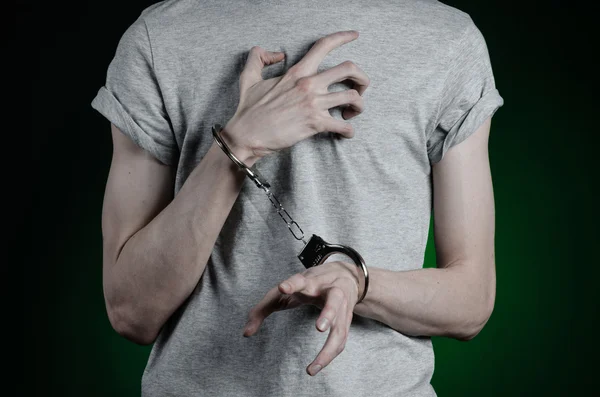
x: 175, y: 73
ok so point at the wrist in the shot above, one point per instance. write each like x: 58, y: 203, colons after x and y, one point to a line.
x: 242, y: 153
x: 353, y: 270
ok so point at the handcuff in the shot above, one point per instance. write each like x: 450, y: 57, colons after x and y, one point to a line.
x: 316, y: 250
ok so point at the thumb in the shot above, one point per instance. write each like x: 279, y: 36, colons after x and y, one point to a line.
x: 257, y: 59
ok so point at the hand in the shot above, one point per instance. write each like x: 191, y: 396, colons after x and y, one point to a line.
x: 279, y: 112
x: 333, y: 287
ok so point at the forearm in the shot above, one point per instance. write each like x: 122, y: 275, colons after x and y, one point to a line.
x: 160, y: 265
x: 457, y: 298
x: 451, y: 301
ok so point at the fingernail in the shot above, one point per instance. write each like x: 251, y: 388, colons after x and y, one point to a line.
x: 315, y: 369
x: 285, y: 286
x: 323, y: 324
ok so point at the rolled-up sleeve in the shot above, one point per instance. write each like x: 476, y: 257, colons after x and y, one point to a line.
x: 131, y: 98
x: 469, y: 94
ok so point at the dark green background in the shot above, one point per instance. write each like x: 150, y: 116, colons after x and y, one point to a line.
x: 539, y: 340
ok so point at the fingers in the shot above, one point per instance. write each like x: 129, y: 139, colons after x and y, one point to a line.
x: 270, y: 303
x: 336, y: 340
x: 257, y: 59
x: 334, y: 125
x: 308, y: 65
x: 300, y: 283
x: 334, y: 300
x: 279, y: 298
x: 350, y: 97
x: 347, y: 70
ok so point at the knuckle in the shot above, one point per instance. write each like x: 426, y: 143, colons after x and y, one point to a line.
x: 349, y: 65
x: 308, y: 272
x: 314, y: 288
x: 316, y: 125
x: 349, y: 129
x: 308, y: 285
x: 255, y: 49
x: 301, y: 277
x: 361, y: 100
x: 337, y: 292
x: 304, y: 84
x: 352, y: 94
x: 292, y: 73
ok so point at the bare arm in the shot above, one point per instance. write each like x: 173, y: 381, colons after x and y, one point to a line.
x: 155, y: 248
x: 457, y: 298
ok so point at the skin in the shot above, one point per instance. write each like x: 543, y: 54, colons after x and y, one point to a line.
x: 454, y: 300
x: 156, y: 246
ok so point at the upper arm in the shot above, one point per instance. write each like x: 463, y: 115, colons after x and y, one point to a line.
x: 463, y: 199
x: 458, y: 150
x: 138, y: 188
x: 464, y: 207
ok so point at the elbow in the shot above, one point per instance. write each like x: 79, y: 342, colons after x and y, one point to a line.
x: 471, y: 330
x: 130, y: 325
x: 475, y: 320
x: 129, y: 319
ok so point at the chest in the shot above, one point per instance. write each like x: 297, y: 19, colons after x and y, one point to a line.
x: 400, y: 102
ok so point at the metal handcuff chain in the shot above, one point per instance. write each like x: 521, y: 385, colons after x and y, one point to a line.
x: 316, y: 250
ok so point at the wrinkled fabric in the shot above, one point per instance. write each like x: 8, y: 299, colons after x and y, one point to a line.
x: 176, y: 72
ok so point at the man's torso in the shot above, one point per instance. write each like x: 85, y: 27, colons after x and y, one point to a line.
x: 371, y: 192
